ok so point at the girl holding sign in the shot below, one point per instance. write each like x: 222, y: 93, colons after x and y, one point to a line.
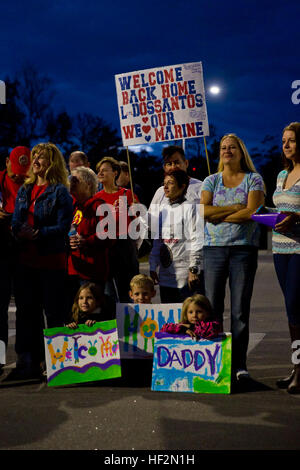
x: 90, y: 306
x: 196, y: 319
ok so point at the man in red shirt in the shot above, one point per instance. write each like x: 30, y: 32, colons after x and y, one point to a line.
x: 11, y: 179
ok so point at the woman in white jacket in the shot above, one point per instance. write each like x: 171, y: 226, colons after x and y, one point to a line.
x: 178, y: 242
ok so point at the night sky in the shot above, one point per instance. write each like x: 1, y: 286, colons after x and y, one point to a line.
x: 249, y: 48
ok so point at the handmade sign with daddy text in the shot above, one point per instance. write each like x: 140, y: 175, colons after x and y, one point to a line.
x: 82, y: 355
x: 181, y: 364
x: 162, y: 104
x: 138, y: 323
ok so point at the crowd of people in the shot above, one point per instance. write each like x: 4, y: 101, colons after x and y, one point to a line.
x: 64, y: 267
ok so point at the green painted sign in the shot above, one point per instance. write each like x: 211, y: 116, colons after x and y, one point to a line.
x: 82, y: 355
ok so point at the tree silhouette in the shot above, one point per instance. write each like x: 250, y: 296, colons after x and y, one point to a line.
x: 94, y: 136
x: 59, y: 129
x: 28, y: 117
x: 35, y: 95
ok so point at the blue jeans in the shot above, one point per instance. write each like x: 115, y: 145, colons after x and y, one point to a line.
x: 38, y: 291
x: 287, y: 268
x: 238, y: 264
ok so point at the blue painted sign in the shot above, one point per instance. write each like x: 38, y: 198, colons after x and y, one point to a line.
x: 181, y: 364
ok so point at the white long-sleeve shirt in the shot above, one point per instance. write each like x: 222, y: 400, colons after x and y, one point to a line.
x: 193, y: 195
x: 180, y: 228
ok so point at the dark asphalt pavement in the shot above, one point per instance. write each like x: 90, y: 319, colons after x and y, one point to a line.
x: 124, y: 414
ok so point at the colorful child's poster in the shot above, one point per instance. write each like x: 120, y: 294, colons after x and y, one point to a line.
x: 138, y: 323
x: 82, y: 355
x: 162, y: 104
x: 182, y: 364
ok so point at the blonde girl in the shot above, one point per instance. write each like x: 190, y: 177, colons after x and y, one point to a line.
x: 196, y: 319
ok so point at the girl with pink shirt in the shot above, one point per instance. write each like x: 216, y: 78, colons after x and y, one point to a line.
x: 196, y: 319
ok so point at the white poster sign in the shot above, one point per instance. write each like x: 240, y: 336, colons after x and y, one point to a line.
x: 162, y: 104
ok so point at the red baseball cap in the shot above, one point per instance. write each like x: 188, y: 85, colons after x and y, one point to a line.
x: 20, y: 158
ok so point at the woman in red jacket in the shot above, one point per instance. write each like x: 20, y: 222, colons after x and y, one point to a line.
x: 88, y: 258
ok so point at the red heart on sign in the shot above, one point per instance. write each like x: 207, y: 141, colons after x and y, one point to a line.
x: 146, y: 129
x: 145, y: 119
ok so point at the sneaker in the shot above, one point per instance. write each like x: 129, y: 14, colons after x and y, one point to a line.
x: 242, y: 374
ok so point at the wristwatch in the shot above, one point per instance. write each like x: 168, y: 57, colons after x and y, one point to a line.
x: 194, y: 270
